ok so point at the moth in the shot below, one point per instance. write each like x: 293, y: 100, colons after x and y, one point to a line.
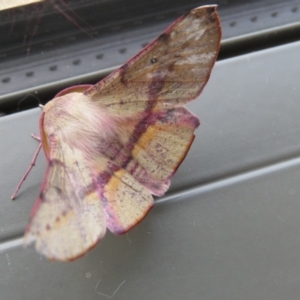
x: 111, y: 146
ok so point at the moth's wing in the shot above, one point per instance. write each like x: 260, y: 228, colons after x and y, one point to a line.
x: 145, y: 93
x: 170, y: 71
x: 162, y: 140
x: 139, y: 161
x: 68, y: 217
x: 125, y: 200
x: 152, y: 147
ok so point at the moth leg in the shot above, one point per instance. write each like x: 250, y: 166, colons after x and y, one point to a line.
x: 28, y: 170
x: 36, y: 137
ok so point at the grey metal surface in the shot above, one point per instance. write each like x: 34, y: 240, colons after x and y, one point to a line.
x: 228, y: 229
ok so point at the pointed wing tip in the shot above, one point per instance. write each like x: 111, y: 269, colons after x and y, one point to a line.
x: 207, y: 7
x: 210, y: 10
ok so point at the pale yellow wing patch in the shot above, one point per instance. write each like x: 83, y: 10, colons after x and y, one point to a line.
x: 152, y: 147
x: 164, y: 144
x: 126, y: 202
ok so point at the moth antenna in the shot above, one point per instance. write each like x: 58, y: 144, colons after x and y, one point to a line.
x: 36, y: 137
x: 24, y: 98
x: 28, y: 171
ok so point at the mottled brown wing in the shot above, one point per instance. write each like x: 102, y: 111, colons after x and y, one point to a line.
x: 170, y: 71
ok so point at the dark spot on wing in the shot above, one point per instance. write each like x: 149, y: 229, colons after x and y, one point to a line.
x: 153, y: 60
x: 210, y: 10
x: 164, y: 37
x: 55, y: 161
x: 211, y: 15
x: 58, y: 190
x: 171, y: 67
x: 48, y: 227
x: 126, y: 162
x: 186, y: 45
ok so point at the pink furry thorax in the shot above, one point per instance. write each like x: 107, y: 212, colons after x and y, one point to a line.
x: 76, y: 118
